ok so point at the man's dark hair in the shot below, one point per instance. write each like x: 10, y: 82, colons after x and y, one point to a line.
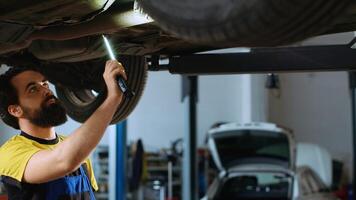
x: 9, y: 95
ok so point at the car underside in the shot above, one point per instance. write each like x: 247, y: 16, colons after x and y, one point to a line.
x: 58, y: 34
x: 63, y: 38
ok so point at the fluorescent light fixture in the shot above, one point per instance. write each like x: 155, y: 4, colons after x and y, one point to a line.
x: 134, y: 17
x: 131, y: 18
x: 229, y: 50
x: 354, y: 44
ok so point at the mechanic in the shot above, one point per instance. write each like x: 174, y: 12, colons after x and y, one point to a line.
x: 38, y: 163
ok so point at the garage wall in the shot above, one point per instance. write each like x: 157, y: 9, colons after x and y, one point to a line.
x: 220, y: 99
x: 259, y: 98
x: 5, y: 131
x: 157, y: 119
x: 161, y: 117
x: 317, y: 107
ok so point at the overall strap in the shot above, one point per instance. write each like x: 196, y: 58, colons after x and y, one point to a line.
x: 87, y: 181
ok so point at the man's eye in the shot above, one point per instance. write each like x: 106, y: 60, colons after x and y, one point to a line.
x: 33, y: 89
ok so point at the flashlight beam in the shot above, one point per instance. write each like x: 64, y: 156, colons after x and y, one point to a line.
x: 108, y: 47
x: 128, y: 93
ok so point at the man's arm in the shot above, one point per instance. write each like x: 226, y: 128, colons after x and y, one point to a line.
x: 48, y: 165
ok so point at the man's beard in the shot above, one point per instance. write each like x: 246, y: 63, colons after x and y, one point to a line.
x: 48, y: 115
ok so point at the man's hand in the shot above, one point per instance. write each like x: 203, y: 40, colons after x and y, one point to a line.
x: 113, y: 69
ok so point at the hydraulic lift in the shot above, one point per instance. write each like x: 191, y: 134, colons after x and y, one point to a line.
x: 257, y: 60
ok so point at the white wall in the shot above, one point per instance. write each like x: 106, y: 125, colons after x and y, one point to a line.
x: 220, y: 99
x: 157, y: 119
x: 160, y: 117
x: 317, y: 107
x: 259, y: 98
x: 5, y: 131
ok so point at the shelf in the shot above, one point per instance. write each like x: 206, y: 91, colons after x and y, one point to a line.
x: 156, y: 159
x: 101, y: 195
x: 103, y: 176
x: 163, y: 168
x: 100, y: 163
x: 103, y: 161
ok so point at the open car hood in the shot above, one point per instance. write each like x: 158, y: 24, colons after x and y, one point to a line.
x: 237, y: 144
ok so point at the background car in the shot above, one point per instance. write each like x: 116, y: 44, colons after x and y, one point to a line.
x: 258, y: 161
x: 310, y: 186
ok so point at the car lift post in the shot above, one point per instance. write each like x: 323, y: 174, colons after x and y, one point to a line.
x: 121, y: 161
x: 352, y: 76
x: 190, y: 167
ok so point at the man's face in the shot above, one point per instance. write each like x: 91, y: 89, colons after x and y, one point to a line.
x: 37, y: 101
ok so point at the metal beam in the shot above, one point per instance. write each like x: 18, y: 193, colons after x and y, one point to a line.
x: 263, y: 60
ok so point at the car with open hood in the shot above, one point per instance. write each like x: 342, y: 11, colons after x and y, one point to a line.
x: 258, y: 161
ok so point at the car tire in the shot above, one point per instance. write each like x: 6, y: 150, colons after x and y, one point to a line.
x: 250, y: 23
x: 81, y: 103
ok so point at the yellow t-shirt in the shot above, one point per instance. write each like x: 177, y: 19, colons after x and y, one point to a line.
x: 17, y: 151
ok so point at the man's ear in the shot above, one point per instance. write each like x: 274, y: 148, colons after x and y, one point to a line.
x: 15, y: 110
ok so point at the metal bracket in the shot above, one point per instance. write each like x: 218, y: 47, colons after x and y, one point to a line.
x: 352, y: 44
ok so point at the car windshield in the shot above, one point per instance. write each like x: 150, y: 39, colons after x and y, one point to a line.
x: 262, y: 185
x: 252, y: 146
